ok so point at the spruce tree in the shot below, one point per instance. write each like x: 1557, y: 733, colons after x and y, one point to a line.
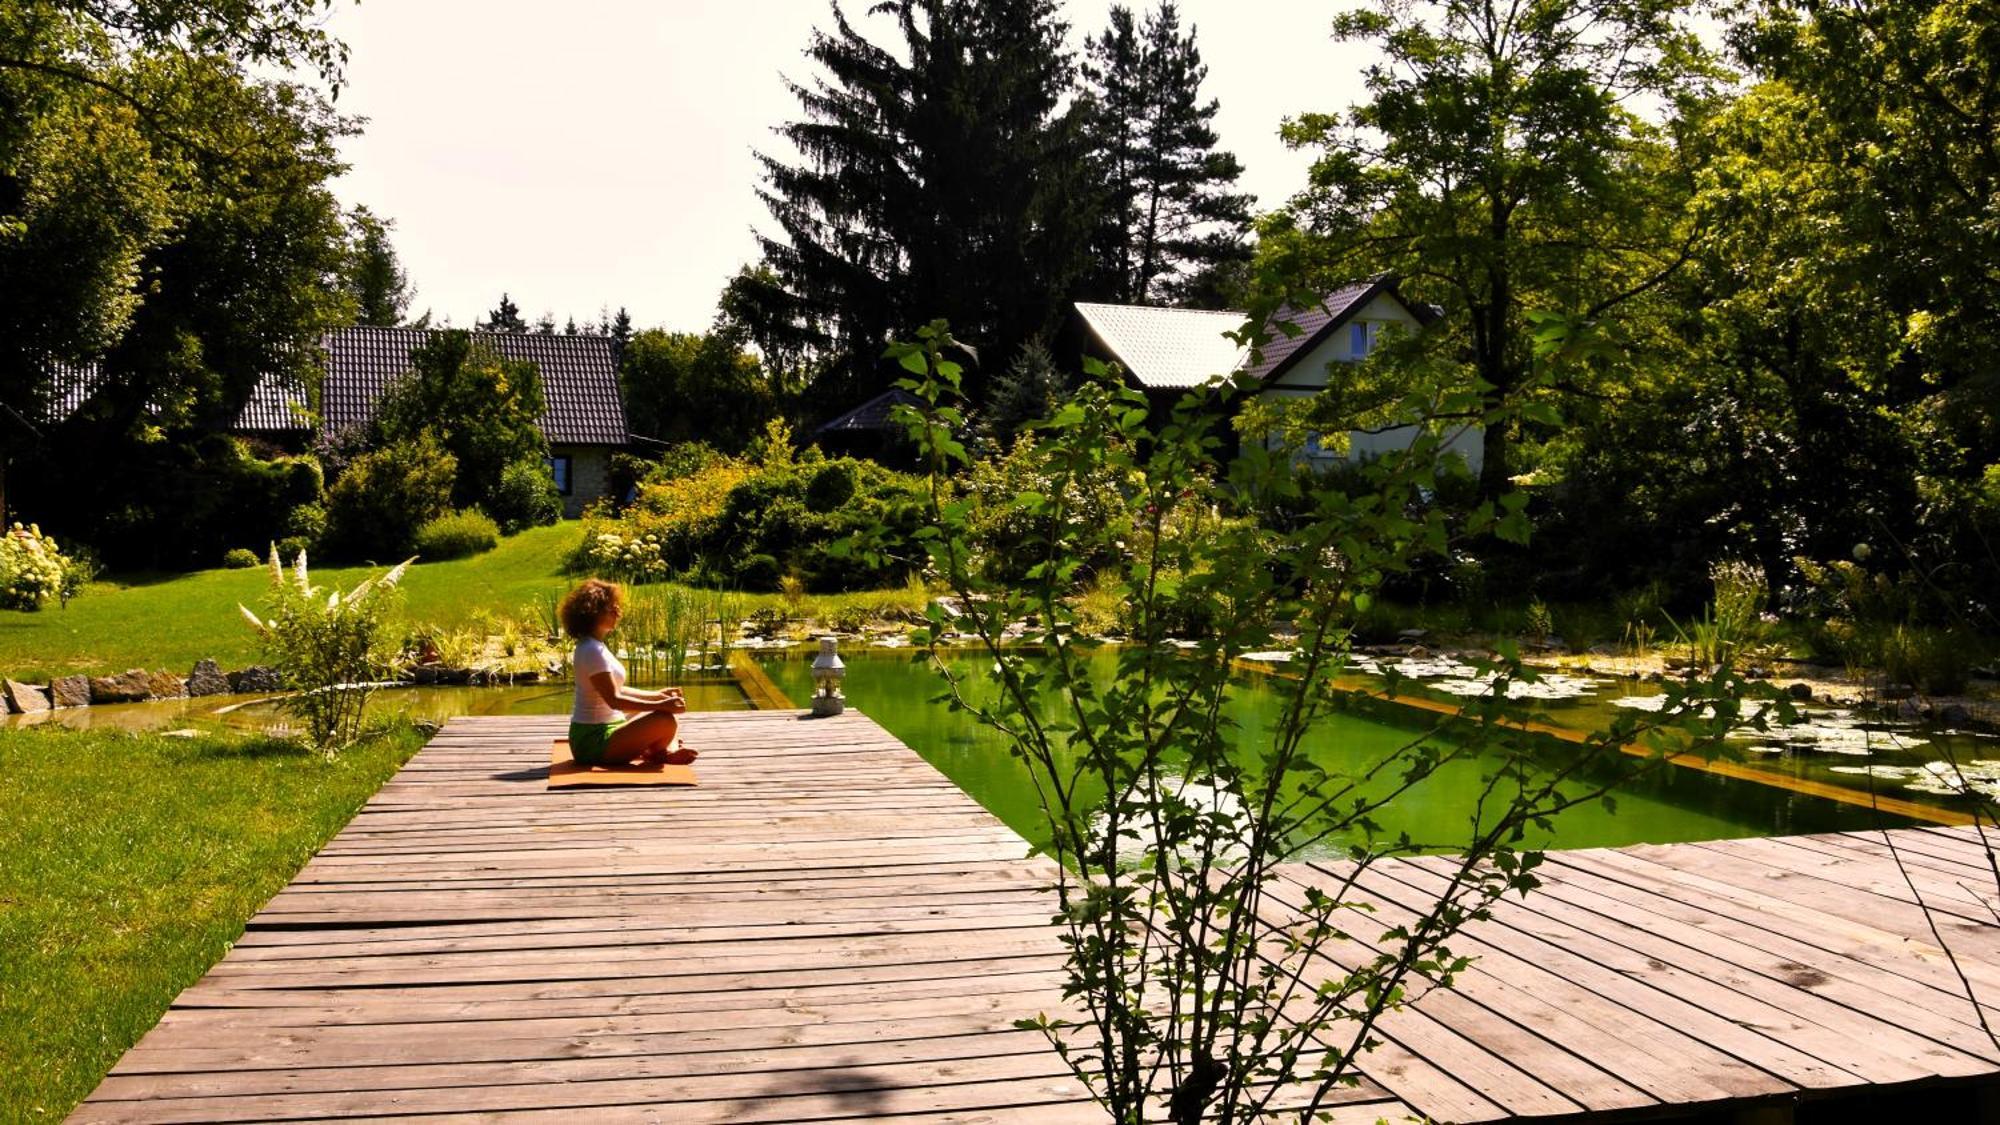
x: 505, y: 317
x: 1173, y: 228
x: 943, y: 178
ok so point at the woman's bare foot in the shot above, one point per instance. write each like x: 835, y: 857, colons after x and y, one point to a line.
x: 681, y: 757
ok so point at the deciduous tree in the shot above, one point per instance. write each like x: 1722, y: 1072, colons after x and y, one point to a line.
x: 1512, y: 161
x: 375, y: 279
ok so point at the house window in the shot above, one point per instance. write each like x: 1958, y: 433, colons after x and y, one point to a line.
x: 560, y: 467
x: 1361, y: 338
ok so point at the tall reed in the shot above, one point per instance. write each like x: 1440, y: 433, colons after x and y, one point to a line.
x: 669, y: 629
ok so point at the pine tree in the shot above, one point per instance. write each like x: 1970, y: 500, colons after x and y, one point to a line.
x: 619, y: 327
x: 545, y: 325
x: 373, y: 276
x: 506, y: 317
x: 1173, y: 229
x: 938, y: 180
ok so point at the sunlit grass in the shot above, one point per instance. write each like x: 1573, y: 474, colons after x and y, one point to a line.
x: 170, y: 622
x: 128, y: 866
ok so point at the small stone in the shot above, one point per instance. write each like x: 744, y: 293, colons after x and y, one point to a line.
x: 1419, y: 652
x: 133, y: 686
x: 166, y: 685
x: 1756, y: 672
x: 207, y: 679
x: 1954, y: 715
x: 1800, y: 691
x: 70, y: 691
x: 254, y: 680
x: 1911, y: 709
x: 24, y: 699
x: 1413, y: 634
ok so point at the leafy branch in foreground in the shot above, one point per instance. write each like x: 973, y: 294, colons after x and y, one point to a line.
x: 1208, y: 980
x: 328, y: 648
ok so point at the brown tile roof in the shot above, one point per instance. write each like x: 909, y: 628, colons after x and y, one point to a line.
x: 582, y: 404
x: 1315, y: 323
x: 579, y: 379
x: 276, y: 406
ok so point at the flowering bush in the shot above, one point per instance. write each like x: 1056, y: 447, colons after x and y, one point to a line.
x: 33, y: 570
x: 634, y: 559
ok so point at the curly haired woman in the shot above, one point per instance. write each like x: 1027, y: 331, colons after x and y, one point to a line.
x: 599, y: 732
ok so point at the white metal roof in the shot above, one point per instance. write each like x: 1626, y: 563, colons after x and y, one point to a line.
x: 1167, y: 347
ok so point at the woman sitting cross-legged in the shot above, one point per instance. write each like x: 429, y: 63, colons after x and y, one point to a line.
x: 599, y: 734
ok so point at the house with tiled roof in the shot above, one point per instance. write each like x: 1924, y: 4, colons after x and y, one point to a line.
x: 583, y: 414
x: 1165, y: 351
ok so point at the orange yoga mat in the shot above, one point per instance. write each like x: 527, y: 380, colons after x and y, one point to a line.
x: 564, y: 773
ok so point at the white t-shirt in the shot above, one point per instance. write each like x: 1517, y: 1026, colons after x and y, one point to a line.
x: 592, y: 657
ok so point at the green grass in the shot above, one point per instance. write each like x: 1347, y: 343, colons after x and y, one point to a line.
x: 128, y: 865
x: 168, y: 622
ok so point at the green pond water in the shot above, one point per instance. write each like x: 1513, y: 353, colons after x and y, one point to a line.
x: 898, y: 689
x: 1669, y: 805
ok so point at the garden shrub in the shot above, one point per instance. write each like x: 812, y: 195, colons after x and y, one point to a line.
x: 831, y: 486
x: 184, y: 502
x: 457, y: 535
x: 751, y: 523
x: 239, y: 558
x: 377, y: 505
x: 525, y: 496
x: 307, y: 524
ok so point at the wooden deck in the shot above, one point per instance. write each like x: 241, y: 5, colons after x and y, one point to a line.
x: 830, y: 929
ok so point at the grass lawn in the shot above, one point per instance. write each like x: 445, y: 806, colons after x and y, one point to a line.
x: 168, y: 622
x: 128, y: 865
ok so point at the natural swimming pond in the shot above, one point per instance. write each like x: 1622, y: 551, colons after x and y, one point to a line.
x: 898, y: 689
x: 1666, y: 805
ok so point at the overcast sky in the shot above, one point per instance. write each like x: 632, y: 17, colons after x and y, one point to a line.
x: 597, y: 153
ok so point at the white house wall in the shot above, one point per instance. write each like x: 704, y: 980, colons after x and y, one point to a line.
x: 1309, y: 376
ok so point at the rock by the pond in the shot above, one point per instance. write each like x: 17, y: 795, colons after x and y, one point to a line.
x: 256, y: 678
x: 1800, y: 691
x: 1954, y: 714
x: 133, y: 686
x: 70, y: 691
x: 25, y: 699
x: 207, y: 679
x: 166, y: 685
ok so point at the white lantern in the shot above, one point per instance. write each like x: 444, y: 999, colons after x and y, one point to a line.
x: 828, y: 671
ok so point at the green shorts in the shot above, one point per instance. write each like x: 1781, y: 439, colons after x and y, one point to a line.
x: 589, y: 741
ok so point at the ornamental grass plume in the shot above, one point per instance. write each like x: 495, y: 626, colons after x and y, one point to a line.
x: 328, y: 648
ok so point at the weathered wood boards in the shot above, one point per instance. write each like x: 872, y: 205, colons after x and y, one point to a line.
x: 828, y: 929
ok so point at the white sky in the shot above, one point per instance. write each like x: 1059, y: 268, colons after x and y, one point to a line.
x: 598, y: 153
